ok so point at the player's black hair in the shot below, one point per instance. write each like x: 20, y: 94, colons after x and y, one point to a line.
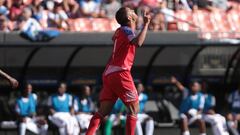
x: 193, y: 82
x: 121, y: 16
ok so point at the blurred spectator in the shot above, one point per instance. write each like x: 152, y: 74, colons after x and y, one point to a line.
x: 131, y: 3
x: 28, y: 25
x: 62, y: 111
x: 220, y: 4
x: 4, y: 24
x: 26, y: 110
x: 143, y: 117
x: 71, y: 7
x: 191, y: 107
x: 84, y: 107
x: 109, y: 8
x: 3, y: 8
x: 162, y: 18
x: 89, y: 8
x: 57, y: 17
x: 200, y: 4
x: 16, y: 9
x: 150, y: 3
x: 38, y: 10
x: 117, y: 117
x: 233, y: 117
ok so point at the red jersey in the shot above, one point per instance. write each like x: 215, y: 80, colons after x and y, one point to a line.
x: 123, y: 51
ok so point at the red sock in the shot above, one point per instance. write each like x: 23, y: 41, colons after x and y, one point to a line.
x: 131, y: 125
x: 94, y: 124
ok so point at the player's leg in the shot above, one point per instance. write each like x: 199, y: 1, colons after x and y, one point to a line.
x: 109, y: 124
x: 149, y: 128
x: 133, y: 108
x: 22, y: 128
x: 232, y: 124
x: 184, y: 125
x: 202, y: 126
x: 62, y: 126
x: 139, y: 130
x: 218, y: 124
x: 105, y: 109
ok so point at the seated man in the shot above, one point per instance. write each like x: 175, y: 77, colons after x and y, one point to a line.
x: 217, y: 121
x: 234, y: 116
x: 143, y: 117
x: 117, y: 117
x: 191, y: 107
x: 84, y: 107
x: 26, y: 111
x: 61, y: 112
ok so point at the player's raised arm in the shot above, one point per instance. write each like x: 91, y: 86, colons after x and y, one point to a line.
x: 12, y: 80
x: 177, y: 83
x: 142, y: 35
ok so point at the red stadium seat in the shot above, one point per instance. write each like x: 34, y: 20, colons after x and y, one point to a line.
x: 234, y: 21
x: 101, y: 25
x: 184, y: 20
x: 82, y: 25
x: 205, y: 23
x: 221, y: 24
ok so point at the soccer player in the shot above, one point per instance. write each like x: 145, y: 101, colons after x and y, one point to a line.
x: 117, y: 79
x: 143, y: 117
x: 12, y: 80
x: 26, y: 111
x: 117, y: 117
x: 61, y: 110
x: 84, y: 107
x: 217, y: 121
x: 191, y: 107
x: 234, y: 116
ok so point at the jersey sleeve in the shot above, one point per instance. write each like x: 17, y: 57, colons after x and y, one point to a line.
x: 70, y: 100
x: 130, y: 34
x: 213, y: 103
x: 202, y: 102
x: 75, y: 105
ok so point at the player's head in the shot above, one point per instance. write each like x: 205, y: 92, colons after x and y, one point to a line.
x: 86, y: 90
x: 26, y: 13
x: 126, y: 16
x: 140, y: 88
x: 28, y: 87
x: 195, y: 86
x: 62, y: 88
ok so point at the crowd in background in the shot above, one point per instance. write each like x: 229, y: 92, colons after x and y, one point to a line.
x: 54, y: 14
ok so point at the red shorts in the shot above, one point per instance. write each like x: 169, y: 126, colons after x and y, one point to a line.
x: 119, y: 85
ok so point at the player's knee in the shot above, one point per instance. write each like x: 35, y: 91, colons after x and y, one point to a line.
x: 133, y: 108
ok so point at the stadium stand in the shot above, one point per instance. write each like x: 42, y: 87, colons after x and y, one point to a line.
x: 214, y: 24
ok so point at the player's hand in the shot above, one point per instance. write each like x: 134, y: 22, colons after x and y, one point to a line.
x: 174, y: 80
x: 13, y: 82
x: 146, y: 17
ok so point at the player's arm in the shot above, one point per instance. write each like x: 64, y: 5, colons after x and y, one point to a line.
x: 139, y: 39
x: 177, y: 83
x: 12, y: 80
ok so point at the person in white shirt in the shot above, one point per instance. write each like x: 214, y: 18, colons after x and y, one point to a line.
x: 90, y: 8
x: 62, y: 112
x: 29, y: 25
